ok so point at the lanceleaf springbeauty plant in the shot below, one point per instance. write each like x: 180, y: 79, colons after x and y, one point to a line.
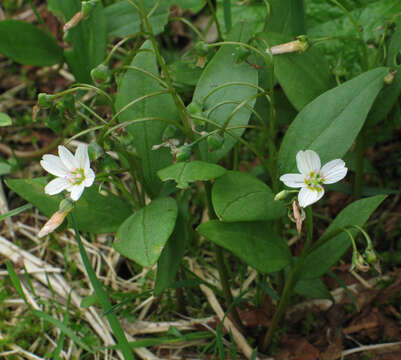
x: 170, y: 136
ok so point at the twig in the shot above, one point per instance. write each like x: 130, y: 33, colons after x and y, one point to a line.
x: 396, y: 345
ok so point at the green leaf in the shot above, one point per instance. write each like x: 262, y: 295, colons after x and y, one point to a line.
x: 303, y: 76
x: 173, y: 252
x: 135, y: 84
x: 239, y: 196
x: 123, y: 19
x: 387, y: 98
x: 185, y: 172
x: 88, y: 38
x: 94, y: 212
x: 326, y: 19
x: 253, y: 13
x: 27, y: 44
x: 253, y: 242
x: 320, y: 260
x: 221, y: 70
x: 313, y: 288
x: 5, y: 120
x: 143, y: 235
x: 331, y: 122
x: 287, y: 17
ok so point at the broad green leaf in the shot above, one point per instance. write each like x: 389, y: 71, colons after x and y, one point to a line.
x: 324, y: 18
x: 331, y: 122
x: 185, y: 172
x: 239, y: 196
x: 27, y: 44
x: 252, y: 13
x: 223, y: 69
x: 387, y: 98
x: 256, y: 243
x: 93, y: 212
x: 135, y: 84
x: 303, y: 76
x: 5, y: 120
x: 143, y: 235
x: 88, y: 38
x: 313, y: 288
x: 171, y: 256
x: 123, y: 19
x: 319, y: 261
x: 287, y: 17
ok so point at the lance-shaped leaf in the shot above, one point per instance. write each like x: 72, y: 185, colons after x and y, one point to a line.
x: 185, y: 172
x: 331, y: 122
x: 223, y: 72
x: 256, y: 243
x: 135, y: 84
x: 239, y: 196
x: 27, y: 44
x: 143, y: 235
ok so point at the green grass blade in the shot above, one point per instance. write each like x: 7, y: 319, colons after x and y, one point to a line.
x: 16, y: 211
x: 103, y: 298
x: 16, y: 282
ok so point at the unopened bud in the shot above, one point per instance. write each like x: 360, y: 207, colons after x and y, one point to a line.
x: 183, y: 153
x: 300, y: 45
x: 389, y: 78
x: 358, y: 262
x: 215, y: 142
x: 101, y: 74
x: 194, y: 108
x: 281, y: 195
x: 45, y: 100
x: 370, y: 256
x: 74, y: 21
x: 202, y: 48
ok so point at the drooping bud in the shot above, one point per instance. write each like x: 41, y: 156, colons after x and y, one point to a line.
x: 358, y: 262
x: 74, y: 21
x: 101, y: 74
x: 215, y: 142
x: 281, y: 195
x: 45, y: 101
x: 66, y: 205
x: 183, y: 153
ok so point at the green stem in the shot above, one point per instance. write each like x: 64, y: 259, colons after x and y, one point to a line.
x: 227, y: 14
x: 358, y: 179
x: 225, y: 284
x: 214, y: 16
x: 102, y: 298
x: 290, y: 283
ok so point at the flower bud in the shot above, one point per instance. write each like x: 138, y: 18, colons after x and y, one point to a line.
x: 101, y: 74
x: 358, y: 262
x: 370, y: 256
x: 45, y: 101
x: 53, y: 223
x: 194, y: 108
x: 281, y: 195
x: 183, y: 153
x: 201, y: 48
x: 389, y: 78
x: 300, y: 45
x: 215, y: 142
x: 169, y: 132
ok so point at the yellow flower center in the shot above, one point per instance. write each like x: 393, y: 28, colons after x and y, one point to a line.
x: 76, y: 176
x: 314, y: 181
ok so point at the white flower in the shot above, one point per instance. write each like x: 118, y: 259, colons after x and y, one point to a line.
x: 312, y: 176
x: 73, y: 172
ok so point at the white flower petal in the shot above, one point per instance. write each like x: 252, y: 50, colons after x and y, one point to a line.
x: 77, y: 191
x: 82, y: 157
x: 67, y: 158
x: 308, y: 197
x: 293, y: 180
x: 89, y: 177
x: 53, y: 165
x: 56, y: 186
x: 333, y: 171
x: 308, y: 161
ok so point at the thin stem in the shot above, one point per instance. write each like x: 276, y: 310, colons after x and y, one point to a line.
x: 358, y: 179
x: 225, y: 284
x: 214, y: 16
x: 290, y: 283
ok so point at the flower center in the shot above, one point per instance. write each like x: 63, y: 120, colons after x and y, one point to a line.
x: 76, y: 176
x: 314, y: 181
